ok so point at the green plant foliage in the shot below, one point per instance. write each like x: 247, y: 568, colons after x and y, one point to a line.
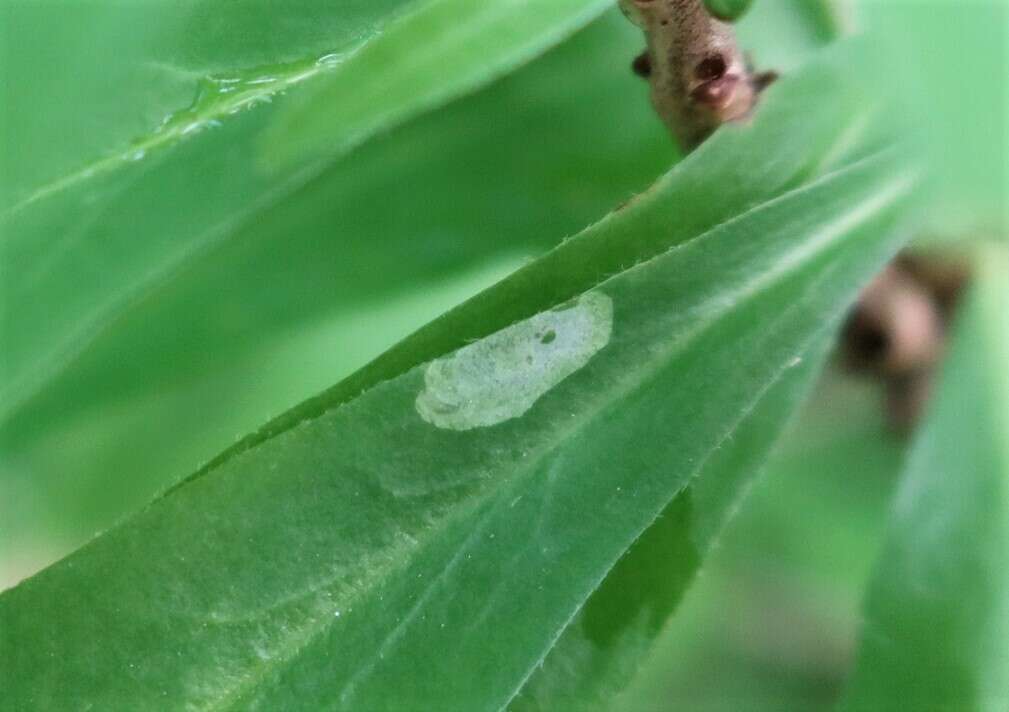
x: 728, y: 9
x: 447, y: 195
x: 443, y: 49
x: 302, y: 291
x: 780, y: 34
x: 130, y: 66
x: 371, y: 546
x: 100, y: 195
x: 770, y: 622
x: 211, y: 212
x: 944, y: 61
x: 936, y: 632
x: 129, y: 221
x: 601, y: 649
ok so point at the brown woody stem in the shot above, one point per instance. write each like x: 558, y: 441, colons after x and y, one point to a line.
x: 698, y: 74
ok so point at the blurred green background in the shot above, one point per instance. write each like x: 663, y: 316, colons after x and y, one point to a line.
x: 157, y: 309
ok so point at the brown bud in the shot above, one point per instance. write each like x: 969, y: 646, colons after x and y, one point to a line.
x: 895, y: 328
x: 896, y: 331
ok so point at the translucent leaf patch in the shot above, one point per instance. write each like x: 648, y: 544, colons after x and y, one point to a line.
x: 501, y: 377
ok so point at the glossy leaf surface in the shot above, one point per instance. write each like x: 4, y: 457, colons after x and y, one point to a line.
x: 369, y: 547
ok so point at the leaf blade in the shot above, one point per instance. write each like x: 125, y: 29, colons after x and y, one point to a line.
x: 779, y: 152
x: 351, y: 242
x: 334, y: 555
x: 348, y: 248
x: 601, y: 650
x: 65, y: 224
x: 400, y: 74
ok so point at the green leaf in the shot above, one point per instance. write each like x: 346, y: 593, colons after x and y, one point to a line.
x: 729, y: 10
x: 371, y: 547
x: 943, y: 62
x: 408, y: 213
x: 443, y: 49
x: 936, y: 632
x: 100, y: 225
x: 602, y: 649
x: 769, y: 623
x: 132, y: 66
x: 100, y: 205
x: 780, y: 35
x: 357, y: 247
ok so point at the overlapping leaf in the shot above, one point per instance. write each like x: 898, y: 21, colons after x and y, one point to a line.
x: 276, y: 311
x: 445, y: 48
x: 471, y: 489
x: 449, y: 195
x: 164, y: 193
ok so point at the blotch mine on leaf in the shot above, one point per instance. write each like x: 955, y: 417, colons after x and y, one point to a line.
x: 500, y: 377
